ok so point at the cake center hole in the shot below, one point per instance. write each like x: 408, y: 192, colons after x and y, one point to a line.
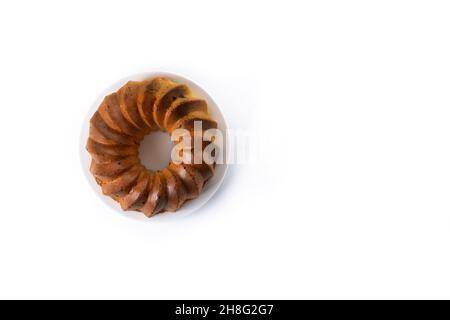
x: 155, y: 150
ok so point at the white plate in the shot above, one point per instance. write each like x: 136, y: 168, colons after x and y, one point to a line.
x: 211, y: 186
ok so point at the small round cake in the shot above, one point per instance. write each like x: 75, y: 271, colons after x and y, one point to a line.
x: 119, y: 125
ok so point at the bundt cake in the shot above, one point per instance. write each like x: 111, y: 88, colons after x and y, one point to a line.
x: 122, y: 120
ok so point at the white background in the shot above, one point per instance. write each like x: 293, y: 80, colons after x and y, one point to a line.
x: 347, y: 197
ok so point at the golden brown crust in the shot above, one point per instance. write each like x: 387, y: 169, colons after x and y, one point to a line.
x: 112, y: 107
x: 107, y: 153
x: 128, y: 96
x: 176, y: 193
x: 157, y: 197
x: 114, y: 168
x: 181, y: 108
x: 122, y: 184
x: 191, y: 179
x: 107, y: 132
x: 188, y: 121
x: 137, y: 196
x: 164, y: 101
x: 148, y: 92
